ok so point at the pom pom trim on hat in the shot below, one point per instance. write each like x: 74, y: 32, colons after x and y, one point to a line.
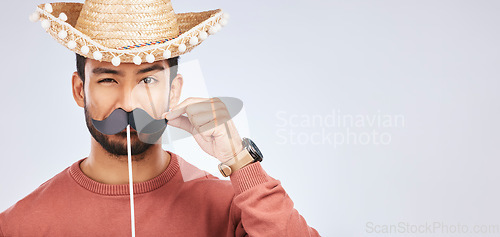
x: 82, y: 44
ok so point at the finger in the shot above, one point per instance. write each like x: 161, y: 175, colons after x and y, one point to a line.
x: 220, y: 115
x: 180, y: 109
x: 183, y: 123
x: 211, y: 125
x: 195, y: 106
x: 189, y: 101
x: 203, y: 107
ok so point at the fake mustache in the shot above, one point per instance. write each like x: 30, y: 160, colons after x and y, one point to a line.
x: 138, y: 119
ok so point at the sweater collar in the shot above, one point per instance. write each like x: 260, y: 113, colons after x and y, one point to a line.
x: 123, y: 189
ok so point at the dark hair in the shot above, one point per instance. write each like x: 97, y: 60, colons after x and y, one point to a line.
x: 80, y: 66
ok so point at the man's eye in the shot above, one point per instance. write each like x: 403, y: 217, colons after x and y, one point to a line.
x: 107, y: 80
x: 149, y: 80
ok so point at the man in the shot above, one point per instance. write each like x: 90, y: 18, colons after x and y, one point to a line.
x: 170, y: 197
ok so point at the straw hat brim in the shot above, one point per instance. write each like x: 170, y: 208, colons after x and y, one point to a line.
x: 59, y: 20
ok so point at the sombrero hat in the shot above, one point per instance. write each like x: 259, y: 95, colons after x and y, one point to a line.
x: 125, y: 31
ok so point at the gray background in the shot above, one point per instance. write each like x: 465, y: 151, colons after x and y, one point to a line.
x: 433, y: 62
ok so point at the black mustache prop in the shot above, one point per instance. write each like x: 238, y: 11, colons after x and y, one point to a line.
x: 138, y: 119
x: 142, y: 122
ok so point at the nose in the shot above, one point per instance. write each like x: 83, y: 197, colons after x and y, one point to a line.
x: 126, y: 100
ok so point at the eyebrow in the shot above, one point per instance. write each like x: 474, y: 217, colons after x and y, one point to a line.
x: 152, y: 68
x: 103, y: 70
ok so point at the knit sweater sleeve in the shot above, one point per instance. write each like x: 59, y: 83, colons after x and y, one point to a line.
x: 265, y: 207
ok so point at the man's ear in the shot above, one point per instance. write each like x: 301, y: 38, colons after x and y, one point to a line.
x: 175, y: 90
x: 78, y: 92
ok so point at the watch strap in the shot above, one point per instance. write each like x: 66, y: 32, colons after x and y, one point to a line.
x: 239, y: 161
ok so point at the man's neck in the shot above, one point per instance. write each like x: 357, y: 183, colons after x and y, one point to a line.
x: 106, y: 168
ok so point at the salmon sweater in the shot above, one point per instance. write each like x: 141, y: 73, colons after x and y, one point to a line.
x: 182, y: 201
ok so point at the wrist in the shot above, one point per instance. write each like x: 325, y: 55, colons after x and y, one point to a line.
x: 240, y: 160
x: 249, y: 154
x: 244, y: 155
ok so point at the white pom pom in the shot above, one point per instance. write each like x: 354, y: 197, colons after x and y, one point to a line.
x: 116, y: 61
x: 218, y: 27
x: 63, y: 17
x: 71, y: 44
x: 223, y: 22
x: 45, y: 24
x: 48, y: 7
x: 193, y: 40
x: 203, y: 35
x: 182, y: 48
x: 225, y: 16
x: 150, y: 58
x: 97, y: 55
x: 85, y: 49
x: 167, y: 54
x: 62, y: 34
x: 212, y: 30
x: 137, y: 60
x: 34, y: 17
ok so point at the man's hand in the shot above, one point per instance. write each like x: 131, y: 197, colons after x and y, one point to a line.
x: 209, y: 121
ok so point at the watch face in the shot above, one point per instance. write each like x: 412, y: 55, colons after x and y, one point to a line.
x: 252, y: 149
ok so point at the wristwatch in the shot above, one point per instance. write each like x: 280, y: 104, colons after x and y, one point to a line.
x: 249, y: 154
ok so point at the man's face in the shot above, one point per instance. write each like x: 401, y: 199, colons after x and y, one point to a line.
x: 127, y: 86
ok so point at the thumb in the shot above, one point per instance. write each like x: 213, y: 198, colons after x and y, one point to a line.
x: 183, y: 123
